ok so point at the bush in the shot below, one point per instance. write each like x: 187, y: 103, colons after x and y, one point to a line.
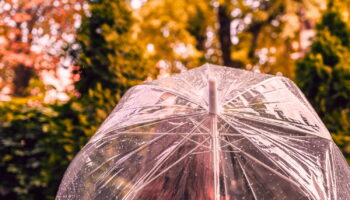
x: 33, y: 155
x: 324, y: 76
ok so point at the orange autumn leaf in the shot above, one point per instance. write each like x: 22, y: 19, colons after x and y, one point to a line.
x: 31, y: 34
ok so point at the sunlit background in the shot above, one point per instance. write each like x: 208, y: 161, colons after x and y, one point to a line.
x: 65, y: 64
x: 176, y: 35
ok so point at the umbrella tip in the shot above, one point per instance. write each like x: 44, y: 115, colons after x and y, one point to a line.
x: 213, y: 109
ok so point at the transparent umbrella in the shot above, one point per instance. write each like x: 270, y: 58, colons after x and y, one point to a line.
x: 210, y: 133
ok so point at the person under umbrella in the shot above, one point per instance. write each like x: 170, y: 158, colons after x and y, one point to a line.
x: 210, y: 133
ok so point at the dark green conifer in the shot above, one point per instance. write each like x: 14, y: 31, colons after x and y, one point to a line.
x: 324, y: 76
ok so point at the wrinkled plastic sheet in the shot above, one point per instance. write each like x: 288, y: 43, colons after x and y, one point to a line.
x: 158, y: 144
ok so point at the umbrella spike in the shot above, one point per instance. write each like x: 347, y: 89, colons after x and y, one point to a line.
x: 213, y: 108
x: 213, y: 111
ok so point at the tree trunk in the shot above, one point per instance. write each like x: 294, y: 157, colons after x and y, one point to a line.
x: 254, y: 29
x: 225, y: 37
x: 22, y: 74
x: 21, y: 80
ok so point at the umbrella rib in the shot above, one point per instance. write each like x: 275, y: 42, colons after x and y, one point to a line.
x: 260, y: 103
x: 193, y: 121
x: 230, y: 151
x: 205, y: 128
x: 151, y: 122
x: 163, y: 133
x: 141, y: 148
x: 252, y: 117
x: 332, y: 180
x: 109, y: 180
x: 301, y: 155
x: 190, y: 85
x: 200, y: 152
x: 153, y: 170
x: 178, y: 95
x: 198, y: 143
x: 136, y: 150
x: 162, y: 119
x: 279, y: 145
x: 154, y: 122
x: 158, y: 105
x: 230, y: 134
x: 115, y: 136
x: 264, y: 165
x: 229, y: 101
x: 232, y: 85
x: 270, y: 120
x: 126, y: 156
x: 250, y: 140
x: 198, y: 124
x: 307, y: 159
x: 281, y: 175
x: 172, y: 165
x: 249, y: 88
x: 142, y: 124
x: 234, y: 141
x: 246, y: 177
x: 223, y: 127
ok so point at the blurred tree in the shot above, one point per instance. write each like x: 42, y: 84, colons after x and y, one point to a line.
x: 269, y: 35
x: 33, y: 150
x: 32, y: 36
x: 107, y: 54
x: 110, y: 61
x: 324, y: 76
x: 174, y: 32
x: 39, y: 141
x: 265, y: 35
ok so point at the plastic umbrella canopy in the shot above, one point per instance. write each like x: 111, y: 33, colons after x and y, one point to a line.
x: 210, y: 133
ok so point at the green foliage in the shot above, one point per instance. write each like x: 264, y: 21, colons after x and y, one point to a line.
x: 38, y: 142
x: 108, y: 53
x: 33, y: 154
x: 324, y: 76
x: 110, y: 59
